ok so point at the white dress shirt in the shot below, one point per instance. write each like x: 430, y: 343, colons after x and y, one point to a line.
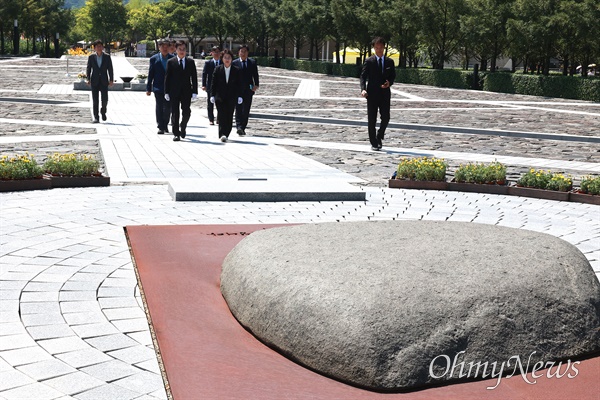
x: 227, y: 70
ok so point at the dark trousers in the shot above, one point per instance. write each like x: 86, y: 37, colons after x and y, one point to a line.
x: 381, y: 104
x: 184, y: 102
x: 225, y: 110
x: 104, y: 94
x: 242, y: 111
x: 210, y: 108
x: 163, y: 111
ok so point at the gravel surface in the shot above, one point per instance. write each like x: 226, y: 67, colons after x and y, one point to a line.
x: 340, y: 99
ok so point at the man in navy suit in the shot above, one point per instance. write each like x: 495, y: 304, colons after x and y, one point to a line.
x: 377, y: 75
x: 100, y: 76
x: 249, y: 82
x: 207, y: 75
x: 181, y: 86
x: 156, y: 84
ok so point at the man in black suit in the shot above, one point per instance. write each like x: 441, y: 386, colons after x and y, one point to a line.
x: 249, y: 81
x: 100, y: 76
x: 207, y: 75
x: 225, y: 93
x: 156, y: 83
x: 377, y: 75
x: 181, y: 86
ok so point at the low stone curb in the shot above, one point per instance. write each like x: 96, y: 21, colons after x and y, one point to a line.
x: 496, y: 189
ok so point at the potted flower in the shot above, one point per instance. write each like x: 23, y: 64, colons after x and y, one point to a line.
x: 71, y: 170
x: 478, y: 177
x: 82, y: 76
x: 588, y: 192
x: 21, y: 172
x: 543, y: 185
x: 141, y: 78
x: 420, y: 173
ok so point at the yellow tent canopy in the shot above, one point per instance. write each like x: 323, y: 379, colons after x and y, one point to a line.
x: 352, y: 53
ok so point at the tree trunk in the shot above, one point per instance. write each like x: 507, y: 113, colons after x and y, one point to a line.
x: 337, y: 51
x: 2, y: 49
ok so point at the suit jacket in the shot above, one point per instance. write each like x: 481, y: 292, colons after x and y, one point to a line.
x: 99, y: 75
x: 249, y: 75
x: 224, y: 91
x: 181, y: 82
x: 207, y: 74
x: 156, y: 74
x: 371, y: 77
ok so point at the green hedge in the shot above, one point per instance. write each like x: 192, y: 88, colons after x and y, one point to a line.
x: 321, y: 67
x: 566, y: 87
x: 450, y: 78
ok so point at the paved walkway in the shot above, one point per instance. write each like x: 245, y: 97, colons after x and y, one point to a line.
x: 72, y: 324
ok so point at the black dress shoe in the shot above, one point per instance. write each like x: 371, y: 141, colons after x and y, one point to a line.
x: 182, y: 134
x: 176, y: 139
x: 103, y: 116
x: 160, y: 132
x: 211, y: 122
x: 241, y: 132
x: 95, y: 121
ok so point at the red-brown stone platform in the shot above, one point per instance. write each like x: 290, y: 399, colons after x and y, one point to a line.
x: 208, y: 355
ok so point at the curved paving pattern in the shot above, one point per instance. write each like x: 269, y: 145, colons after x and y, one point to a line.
x: 72, y: 324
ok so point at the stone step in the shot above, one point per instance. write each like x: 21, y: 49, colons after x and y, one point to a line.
x: 263, y: 189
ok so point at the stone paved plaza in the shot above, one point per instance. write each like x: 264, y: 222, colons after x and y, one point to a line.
x: 72, y: 323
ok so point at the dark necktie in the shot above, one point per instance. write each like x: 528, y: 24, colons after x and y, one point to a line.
x: 244, y: 64
x: 381, y: 64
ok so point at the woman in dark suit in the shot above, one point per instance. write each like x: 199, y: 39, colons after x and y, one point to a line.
x: 225, y: 93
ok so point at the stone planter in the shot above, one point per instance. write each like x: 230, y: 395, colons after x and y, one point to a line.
x: 580, y: 197
x: 477, y: 188
x: 18, y: 185
x: 538, y: 193
x: 78, y: 181
x: 424, y: 185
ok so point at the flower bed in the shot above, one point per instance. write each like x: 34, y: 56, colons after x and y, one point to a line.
x: 21, y: 172
x: 429, y: 174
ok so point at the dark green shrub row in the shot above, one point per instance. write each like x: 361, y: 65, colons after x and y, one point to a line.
x: 450, y: 78
x: 321, y: 67
x: 566, y: 87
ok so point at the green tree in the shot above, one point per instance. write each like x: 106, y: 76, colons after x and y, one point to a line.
x: 484, y: 30
x: 191, y: 21
x: 150, y: 22
x: 349, y: 24
x: 108, y: 20
x: 403, y: 30
x: 440, y: 28
x: 532, y: 32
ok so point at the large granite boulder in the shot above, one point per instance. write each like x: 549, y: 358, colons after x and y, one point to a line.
x: 388, y: 306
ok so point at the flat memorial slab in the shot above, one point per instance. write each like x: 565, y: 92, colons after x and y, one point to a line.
x: 263, y: 189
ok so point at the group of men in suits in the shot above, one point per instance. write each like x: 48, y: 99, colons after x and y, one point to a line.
x: 243, y: 85
x: 174, y: 81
